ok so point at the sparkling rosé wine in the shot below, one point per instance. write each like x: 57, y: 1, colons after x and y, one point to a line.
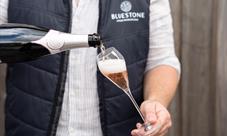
x: 115, y: 70
x: 120, y: 79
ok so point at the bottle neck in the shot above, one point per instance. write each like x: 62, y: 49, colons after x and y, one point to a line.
x: 56, y: 41
x: 94, y: 40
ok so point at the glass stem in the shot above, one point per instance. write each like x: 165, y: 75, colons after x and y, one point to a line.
x: 128, y: 92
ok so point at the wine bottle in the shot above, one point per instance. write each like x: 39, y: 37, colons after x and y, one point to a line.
x: 20, y: 42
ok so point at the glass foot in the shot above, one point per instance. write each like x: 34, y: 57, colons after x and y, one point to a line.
x: 147, y: 127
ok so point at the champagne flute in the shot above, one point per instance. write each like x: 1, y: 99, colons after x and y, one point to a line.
x: 112, y: 65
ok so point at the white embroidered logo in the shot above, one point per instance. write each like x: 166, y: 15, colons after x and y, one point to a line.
x: 127, y: 15
x: 126, y: 6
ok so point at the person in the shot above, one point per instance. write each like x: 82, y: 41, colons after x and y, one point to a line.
x: 66, y: 95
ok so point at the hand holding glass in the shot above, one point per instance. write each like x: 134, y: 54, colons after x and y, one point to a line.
x: 112, y: 65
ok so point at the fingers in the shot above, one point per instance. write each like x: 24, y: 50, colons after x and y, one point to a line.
x: 164, y: 129
x: 156, y: 115
x: 155, y: 130
x: 165, y: 120
x: 149, y: 110
x: 163, y: 133
x: 164, y: 123
x: 136, y: 132
x: 140, y: 131
x: 151, y: 117
x: 159, y: 129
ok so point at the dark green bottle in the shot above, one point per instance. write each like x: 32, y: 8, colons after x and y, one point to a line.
x: 20, y: 42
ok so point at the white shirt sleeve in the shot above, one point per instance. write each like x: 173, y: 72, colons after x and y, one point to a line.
x: 161, y: 49
x: 3, y: 11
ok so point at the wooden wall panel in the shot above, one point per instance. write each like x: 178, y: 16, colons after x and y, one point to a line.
x: 197, y: 97
x: 200, y: 44
x: 221, y: 76
x: 175, y: 107
x: 177, y: 23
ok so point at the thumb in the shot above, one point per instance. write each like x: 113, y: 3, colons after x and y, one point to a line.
x: 151, y: 117
x: 149, y: 109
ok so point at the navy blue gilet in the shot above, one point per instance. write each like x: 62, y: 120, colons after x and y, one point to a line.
x: 35, y: 89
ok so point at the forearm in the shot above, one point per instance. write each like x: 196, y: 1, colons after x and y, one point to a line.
x: 160, y: 84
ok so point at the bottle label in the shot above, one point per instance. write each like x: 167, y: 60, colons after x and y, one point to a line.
x: 52, y: 41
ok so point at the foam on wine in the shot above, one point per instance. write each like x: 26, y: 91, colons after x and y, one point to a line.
x: 115, y: 70
x: 112, y: 66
